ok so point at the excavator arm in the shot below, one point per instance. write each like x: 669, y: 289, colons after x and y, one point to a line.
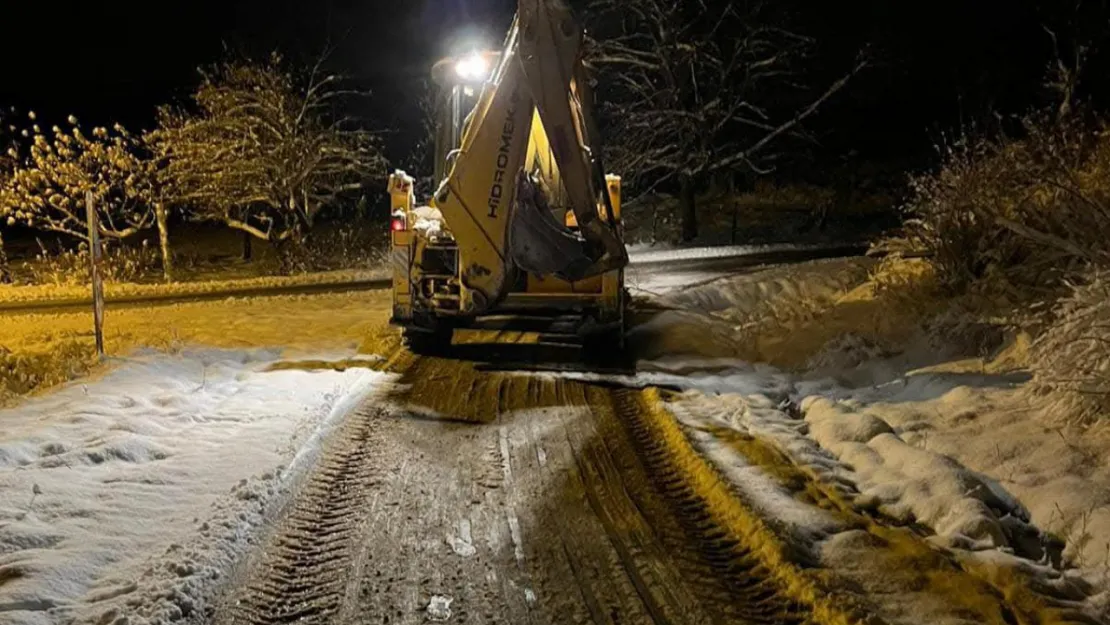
x: 494, y: 208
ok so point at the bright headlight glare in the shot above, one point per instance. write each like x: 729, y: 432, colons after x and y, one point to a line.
x: 472, y: 67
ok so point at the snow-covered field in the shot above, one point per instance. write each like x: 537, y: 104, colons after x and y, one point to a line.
x: 133, y: 493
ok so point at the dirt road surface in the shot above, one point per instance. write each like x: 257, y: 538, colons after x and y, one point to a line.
x: 489, y: 497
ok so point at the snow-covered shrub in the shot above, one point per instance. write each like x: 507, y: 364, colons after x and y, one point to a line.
x: 339, y: 247
x: 70, y: 267
x: 1016, y: 215
x: 1072, y: 357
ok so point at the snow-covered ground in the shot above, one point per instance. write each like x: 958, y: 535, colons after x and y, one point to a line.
x: 642, y: 254
x: 917, y: 436
x: 133, y: 494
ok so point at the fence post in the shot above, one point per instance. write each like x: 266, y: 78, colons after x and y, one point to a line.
x: 94, y: 266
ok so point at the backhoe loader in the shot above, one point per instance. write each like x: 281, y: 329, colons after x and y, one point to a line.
x: 522, y: 231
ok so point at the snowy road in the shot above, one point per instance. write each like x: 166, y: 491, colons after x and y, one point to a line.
x: 503, y: 483
x: 499, y: 498
x: 472, y: 494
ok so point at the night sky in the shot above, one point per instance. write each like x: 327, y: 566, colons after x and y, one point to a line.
x: 937, y: 64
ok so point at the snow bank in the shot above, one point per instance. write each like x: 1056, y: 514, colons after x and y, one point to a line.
x: 891, y: 466
x: 1059, y: 473
x: 642, y: 254
x: 862, y: 459
x: 809, y: 285
x: 910, y: 428
x: 132, y: 494
x: 964, y: 508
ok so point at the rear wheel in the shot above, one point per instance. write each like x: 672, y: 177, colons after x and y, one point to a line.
x: 428, y: 341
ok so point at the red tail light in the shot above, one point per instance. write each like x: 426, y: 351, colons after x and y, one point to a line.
x: 398, y: 224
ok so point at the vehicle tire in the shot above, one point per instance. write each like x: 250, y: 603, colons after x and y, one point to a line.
x: 429, y: 341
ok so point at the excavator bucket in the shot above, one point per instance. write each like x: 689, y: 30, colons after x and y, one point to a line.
x: 550, y: 45
x: 538, y: 243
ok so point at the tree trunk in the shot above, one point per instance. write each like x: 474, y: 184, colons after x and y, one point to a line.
x: 290, y: 253
x: 688, y: 206
x: 248, y: 250
x: 163, y: 218
x: 5, y: 270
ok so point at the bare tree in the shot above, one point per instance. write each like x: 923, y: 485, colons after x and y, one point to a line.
x: 697, y: 89
x: 52, y: 175
x: 1071, y: 52
x: 263, y: 150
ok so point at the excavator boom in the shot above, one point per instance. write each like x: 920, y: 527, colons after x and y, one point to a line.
x: 479, y: 197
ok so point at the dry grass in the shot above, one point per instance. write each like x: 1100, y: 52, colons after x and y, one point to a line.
x: 41, y: 351
x: 1019, y: 229
x: 1016, y: 216
x: 51, y: 293
x: 1071, y: 359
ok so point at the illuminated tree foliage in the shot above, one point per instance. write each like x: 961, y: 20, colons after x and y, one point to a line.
x: 7, y: 166
x: 262, y: 150
x: 57, y: 169
x: 694, y: 89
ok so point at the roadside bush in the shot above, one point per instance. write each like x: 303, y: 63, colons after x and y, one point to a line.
x: 1017, y: 215
x: 1072, y: 356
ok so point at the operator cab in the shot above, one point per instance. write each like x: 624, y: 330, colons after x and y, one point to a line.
x: 458, y: 82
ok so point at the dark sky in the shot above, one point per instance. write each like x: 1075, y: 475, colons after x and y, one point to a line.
x: 937, y: 62
x: 119, y: 59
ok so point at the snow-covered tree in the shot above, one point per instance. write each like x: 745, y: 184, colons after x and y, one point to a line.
x: 695, y: 89
x: 263, y: 149
x: 7, y: 166
x: 56, y: 169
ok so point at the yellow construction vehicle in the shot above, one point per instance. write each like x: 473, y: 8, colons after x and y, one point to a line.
x: 523, y: 229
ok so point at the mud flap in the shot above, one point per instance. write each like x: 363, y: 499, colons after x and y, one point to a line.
x: 538, y: 243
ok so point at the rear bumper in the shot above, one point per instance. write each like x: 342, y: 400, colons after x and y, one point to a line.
x: 541, y: 321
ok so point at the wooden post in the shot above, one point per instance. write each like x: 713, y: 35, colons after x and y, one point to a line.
x: 94, y: 265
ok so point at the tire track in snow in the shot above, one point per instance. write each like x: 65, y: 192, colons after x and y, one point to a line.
x: 303, y: 575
